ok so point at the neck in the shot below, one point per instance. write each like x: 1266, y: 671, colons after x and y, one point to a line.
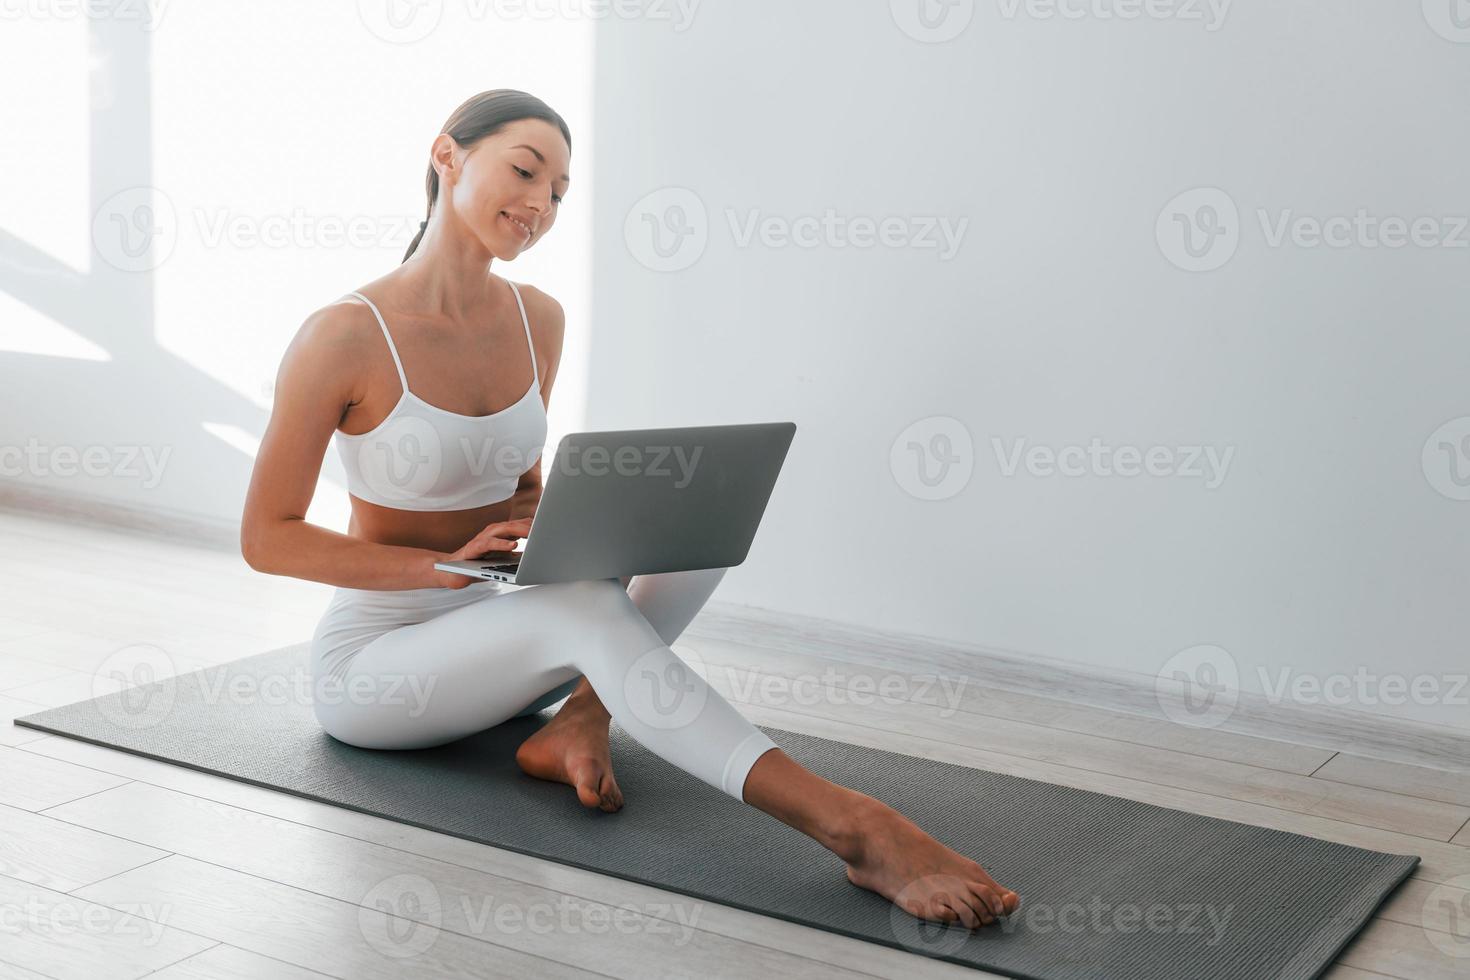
x: 449, y: 272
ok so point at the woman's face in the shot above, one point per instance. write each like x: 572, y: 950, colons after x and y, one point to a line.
x: 507, y: 187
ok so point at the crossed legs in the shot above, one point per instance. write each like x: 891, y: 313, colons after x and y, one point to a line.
x: 608, y: 640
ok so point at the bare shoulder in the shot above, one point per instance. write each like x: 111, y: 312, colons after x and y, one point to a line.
x: 330, y: 346
x: 548, y: 319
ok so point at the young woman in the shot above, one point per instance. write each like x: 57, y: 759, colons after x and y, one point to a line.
x: 433, y: 380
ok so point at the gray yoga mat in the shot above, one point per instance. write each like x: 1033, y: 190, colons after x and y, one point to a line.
x: 1111, y: 888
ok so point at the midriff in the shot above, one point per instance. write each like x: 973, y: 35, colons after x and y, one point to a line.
x: 445, y: 531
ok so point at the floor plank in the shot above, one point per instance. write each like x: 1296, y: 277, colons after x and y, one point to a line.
x: 328, y: 935
x: 84, y: 652
x: 226, y: 962
x: 1428, y: 784
x: 354, y: 871
x: 11, y: 709
x: 1340, y: 972
x: 67, y: 937
x: 18, y: 672
x: 54, y: 854
x: 11, y: 629
x: 1405, y: 951
x: 1440, y: 907
x: 33, y: 782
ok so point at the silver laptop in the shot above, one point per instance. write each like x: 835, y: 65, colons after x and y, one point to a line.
x: 639, y: 501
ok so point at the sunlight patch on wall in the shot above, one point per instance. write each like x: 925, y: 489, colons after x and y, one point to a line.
x: 45, y: 75
x: 24, y: 330
x: 329, y: 505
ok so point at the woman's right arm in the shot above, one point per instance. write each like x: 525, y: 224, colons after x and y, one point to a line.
x: 314, y: 387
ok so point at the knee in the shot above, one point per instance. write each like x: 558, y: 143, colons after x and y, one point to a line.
x: 598, y: 593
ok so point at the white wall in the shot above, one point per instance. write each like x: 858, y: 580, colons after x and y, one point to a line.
x: 282, y: 149
x: 1060, y: 141
x: 1052, y: 145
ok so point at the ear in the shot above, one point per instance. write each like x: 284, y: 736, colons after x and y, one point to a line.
x: 445, y: 155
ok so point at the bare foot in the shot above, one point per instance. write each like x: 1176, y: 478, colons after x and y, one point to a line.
x: 572, y: 748
x: 887, y: 853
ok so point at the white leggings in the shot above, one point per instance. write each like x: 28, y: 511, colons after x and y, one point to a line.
x: 415, y: 668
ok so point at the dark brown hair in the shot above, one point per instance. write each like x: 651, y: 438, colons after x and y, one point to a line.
x: 480, y: 116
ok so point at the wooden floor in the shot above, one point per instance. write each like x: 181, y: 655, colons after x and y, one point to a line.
x: 112, y: 865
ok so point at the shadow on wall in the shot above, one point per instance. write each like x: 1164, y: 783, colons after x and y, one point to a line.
x: 145, y: 408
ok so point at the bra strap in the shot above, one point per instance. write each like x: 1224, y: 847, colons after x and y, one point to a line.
x: 536, y: 375
x: 388, y: 337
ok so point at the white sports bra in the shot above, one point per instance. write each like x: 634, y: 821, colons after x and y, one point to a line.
x: 424, y: 458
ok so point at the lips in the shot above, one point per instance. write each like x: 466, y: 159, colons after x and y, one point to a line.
x: 524, y: 228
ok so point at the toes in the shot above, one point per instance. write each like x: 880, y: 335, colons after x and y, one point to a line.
x: 962, y: 909
x: 987, y: 896
x: 938, y: 910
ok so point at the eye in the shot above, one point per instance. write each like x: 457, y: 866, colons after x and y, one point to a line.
x: 526, y: 173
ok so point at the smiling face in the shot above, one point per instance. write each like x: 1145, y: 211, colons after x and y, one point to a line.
x: 507, y: 187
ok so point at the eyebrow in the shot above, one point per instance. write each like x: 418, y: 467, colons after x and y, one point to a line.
x: 524, y: 146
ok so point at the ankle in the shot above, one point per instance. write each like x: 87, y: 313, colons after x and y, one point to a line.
x: 847, y: 833
x: 584, y: 702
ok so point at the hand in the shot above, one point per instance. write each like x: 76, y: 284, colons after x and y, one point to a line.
x: 495, y: 540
